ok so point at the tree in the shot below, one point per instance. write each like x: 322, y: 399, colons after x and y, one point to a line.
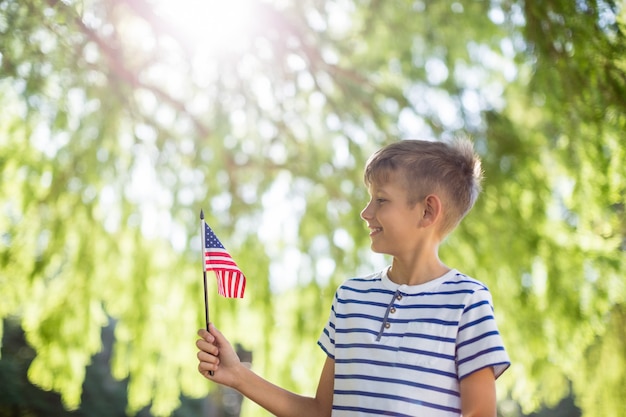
x: 119, y: 124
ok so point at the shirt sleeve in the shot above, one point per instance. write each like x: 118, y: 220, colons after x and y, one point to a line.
x: 327, y: 339
x: 479, y: 344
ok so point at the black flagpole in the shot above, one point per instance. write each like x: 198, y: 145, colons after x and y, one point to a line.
x: 206, y: 296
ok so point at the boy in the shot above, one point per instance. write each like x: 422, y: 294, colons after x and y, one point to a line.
x: 416, y: 339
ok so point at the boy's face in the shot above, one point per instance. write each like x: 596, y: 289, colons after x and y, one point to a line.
x: 393, y: 224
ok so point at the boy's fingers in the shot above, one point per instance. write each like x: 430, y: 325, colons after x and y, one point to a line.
x: 206, y: 369
x: 203, y: 333
x: 207, y: 358
x: 205, y: 346
x: 214, y: 332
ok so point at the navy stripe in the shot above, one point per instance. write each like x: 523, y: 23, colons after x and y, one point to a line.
x: 424, y: 336
x: 467, y: 281
x: 482, y: 352
x: 369, y: 331
x: 365, y: 346
x: 433, y: 321
x: 445, y: 292
x: 406, y: 307
x: 400, y: 382
x: 392, y: 320
x: 476, y: 305
x: 362, y: 410
x: 374, y: 278
x: 330, y: 355
x: 475, y: 322
x: 391, y: 334
x: 439, y: 306
x: 328, y: 335
x: 359, y: 315
x: 399, y: 365
x: 477, y: 338
x: 355, y: 301
x: 367, y: 290
x: 493, y: 366
x: 427, y: 353
x: 398, y: 398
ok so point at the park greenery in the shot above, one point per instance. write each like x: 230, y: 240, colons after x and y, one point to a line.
x: 121, y: 119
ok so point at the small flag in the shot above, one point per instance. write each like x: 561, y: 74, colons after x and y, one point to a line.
x: 231, y: 282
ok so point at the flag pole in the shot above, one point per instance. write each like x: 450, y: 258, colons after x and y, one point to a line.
x: 206, y: 295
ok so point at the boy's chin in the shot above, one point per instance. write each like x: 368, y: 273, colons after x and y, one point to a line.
x: 376, y: 249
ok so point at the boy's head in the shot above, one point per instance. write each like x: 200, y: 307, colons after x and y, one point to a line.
x: 452, y: 171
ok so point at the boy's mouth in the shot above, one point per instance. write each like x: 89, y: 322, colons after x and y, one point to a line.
x: 375, y: 230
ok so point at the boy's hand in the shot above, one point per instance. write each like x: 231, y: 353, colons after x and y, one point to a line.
x: 216, y: 354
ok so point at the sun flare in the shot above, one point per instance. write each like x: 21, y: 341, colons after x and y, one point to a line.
x: 213, y: 26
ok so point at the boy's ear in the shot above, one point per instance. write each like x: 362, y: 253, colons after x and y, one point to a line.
x: 432, y: 210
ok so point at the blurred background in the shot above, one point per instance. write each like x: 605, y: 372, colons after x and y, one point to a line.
x: 121, y: 119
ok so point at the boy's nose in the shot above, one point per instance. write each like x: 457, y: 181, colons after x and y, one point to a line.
x: 365, y: 213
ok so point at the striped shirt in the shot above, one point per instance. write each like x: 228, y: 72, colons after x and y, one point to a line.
x: 401, y: 350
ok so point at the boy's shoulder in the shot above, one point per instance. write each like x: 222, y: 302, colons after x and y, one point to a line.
x: 374, y: 276
x: 460, y: 279
x: 364, y: 283
x: 365, y: 280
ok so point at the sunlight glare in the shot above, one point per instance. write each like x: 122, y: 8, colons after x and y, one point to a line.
x: 213, y: 26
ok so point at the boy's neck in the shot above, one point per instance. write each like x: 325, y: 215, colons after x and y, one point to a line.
x: 416, y: 272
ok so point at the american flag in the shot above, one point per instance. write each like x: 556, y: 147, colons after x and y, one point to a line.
x: 230, y: 280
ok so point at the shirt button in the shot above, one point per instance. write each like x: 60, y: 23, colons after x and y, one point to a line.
x: 393, y: 310
x: 387, y: 325
x: 399, y: 297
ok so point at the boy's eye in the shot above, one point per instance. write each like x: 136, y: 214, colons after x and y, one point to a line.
x: 380, y: 200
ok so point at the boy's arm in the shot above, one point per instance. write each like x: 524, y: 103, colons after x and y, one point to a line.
x: 217, y: 355
x: 478, y: 394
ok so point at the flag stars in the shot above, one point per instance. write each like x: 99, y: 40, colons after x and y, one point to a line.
x: 211, y: 241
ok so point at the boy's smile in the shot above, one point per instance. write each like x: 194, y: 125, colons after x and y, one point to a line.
x: 375, y: 230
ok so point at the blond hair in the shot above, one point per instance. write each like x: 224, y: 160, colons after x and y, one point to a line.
x: 450, y: 170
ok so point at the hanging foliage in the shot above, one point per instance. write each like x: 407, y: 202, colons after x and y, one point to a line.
x: 121, y: 119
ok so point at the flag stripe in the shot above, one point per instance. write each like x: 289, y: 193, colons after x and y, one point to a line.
x: 230, y: 280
